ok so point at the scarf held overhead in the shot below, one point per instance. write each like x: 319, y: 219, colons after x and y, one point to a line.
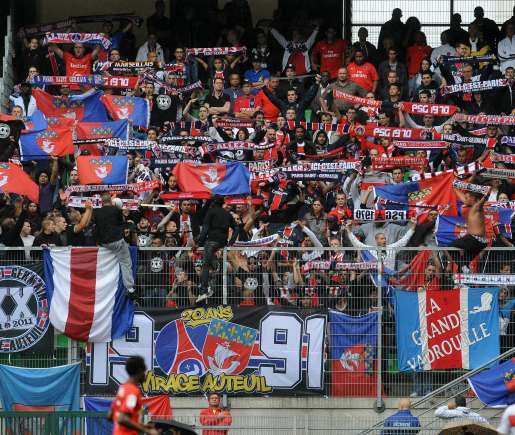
x: 77, y: 38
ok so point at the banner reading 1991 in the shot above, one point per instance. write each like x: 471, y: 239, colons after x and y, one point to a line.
x: 224, y: 349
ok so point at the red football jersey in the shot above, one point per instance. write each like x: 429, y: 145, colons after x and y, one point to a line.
x: 128, y: 401
x: 331, y: 55
x: 363, y: 75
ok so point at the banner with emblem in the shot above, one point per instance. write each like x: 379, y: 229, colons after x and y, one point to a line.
x: 224, y: 349
x: 24, y: 320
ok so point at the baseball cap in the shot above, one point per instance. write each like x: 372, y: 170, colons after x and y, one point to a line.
x: 290, y: 66
x: 246, y: 82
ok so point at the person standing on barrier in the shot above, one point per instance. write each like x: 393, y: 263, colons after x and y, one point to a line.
x: 403, y: 422
x: 214, y: 235
x: 127, y: 405
x: 109, y: 234
x: 215, y: 415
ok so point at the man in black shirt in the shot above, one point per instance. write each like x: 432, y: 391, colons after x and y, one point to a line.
x: 217, y: 102
x: 109, y: 234
x: 215, y: 232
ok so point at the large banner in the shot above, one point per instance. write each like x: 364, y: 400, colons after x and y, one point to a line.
x: 449, y: 329
x: 224, y: 349
x: 24, y: 321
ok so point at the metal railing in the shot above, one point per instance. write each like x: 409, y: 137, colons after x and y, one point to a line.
x: 168, y: 278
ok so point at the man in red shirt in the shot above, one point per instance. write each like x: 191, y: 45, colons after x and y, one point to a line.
x: 214, y: 415
x: 127, y: 405
x: 77, y: 63
x: 270, y: 110
x: 341, y: 211
x: 362, y: 73
x: 245, y: 105
x: 329, y: 55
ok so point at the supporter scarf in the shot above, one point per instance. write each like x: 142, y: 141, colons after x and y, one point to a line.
x: 339, y: 95
x: 132, y: 67
x: 479, y: 131
x: 395, y: 132
x: 74, y: 38
x: 130, y: 144
x: 468, y: 140
x: 216, y: 51
x: 471, y: 187
x: 141, y: 186
x: 429, y: 145
x: 184, y: 150
x: 484, y: 279
x: 503, y: 158
x: 309, y: 176
x: 119, y: 82
x: 260, y: 165
x: 41, y: 29
x: 257, y: 243
x: 80, y: 202
x: 429, y: 109
x: 341, y: 129
x: 266, y: 175
x: 67, y: 80
x: 338, y: 166
x: 168, y: 163
x: 469, y: 59
x: 503, y: 174
x: 508, y: 140
x: 368, y: 215
x: 462, y: 171
x: 134, y: 19
x: 243, y: 201
x: 150, y: 76
x: 175, y: 196
x: 383, y: 201
x: 486, y: 85
x: 337, y: 265
x: 389, y: 163
x: 178, y: 139
x: 328, y: 155
x: 485, y: 119
x: 507, y: 204
x: 234, y: 123
x: 233, y: 146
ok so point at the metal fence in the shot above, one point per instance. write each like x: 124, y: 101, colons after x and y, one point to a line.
x: 74, y: 423
x: 310, y: 277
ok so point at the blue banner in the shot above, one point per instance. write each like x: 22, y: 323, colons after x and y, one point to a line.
x: 446, y: 329
x: 52, y: 389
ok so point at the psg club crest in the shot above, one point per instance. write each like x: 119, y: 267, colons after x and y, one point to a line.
x: 23, y: 309
x: 228, y: 347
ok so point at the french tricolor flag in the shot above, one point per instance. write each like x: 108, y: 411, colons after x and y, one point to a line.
x: 86, y: 293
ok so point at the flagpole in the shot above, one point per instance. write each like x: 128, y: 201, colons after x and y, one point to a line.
x: 379, y: 403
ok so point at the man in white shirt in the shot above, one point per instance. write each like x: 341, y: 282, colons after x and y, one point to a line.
x: 443, y: 50
x: 150, y: 46
x: 506, y: 48
x: 457, y: 409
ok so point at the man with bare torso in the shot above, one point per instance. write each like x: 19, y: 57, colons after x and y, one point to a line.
x: 475, y: 240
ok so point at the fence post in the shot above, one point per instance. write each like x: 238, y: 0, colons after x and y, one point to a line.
x: 379, y: 403
x: 224, y: 300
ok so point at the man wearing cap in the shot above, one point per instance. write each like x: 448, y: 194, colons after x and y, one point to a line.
x: 256, y: 75
x: 245, y: 105
x: 290, y: 82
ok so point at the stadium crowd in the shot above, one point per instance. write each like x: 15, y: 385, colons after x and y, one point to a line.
x: 319, y: 122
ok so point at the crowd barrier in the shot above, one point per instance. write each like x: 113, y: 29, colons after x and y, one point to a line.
x: 292, y: 305
x: 88, y: 423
